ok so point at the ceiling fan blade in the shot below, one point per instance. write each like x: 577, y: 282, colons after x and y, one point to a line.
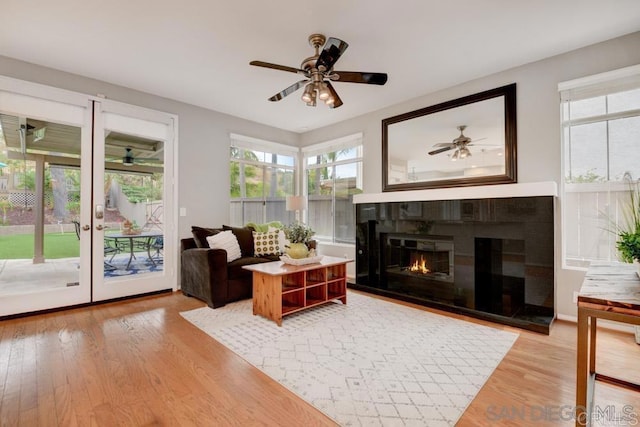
x: 442, y: 144
x: 288, y: 91
x: 333, y: 49
x: 473, y: 141
x: 360, y: 77
x: 486, y: 146
x: 149, y: 160
x: 278, y: 67
x: 336, y: 99
x: 440, y: 150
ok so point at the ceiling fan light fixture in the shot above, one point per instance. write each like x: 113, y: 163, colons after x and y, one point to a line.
x: 330, y: 101
x: 464, y: 153
x: 309, y: 93
x: 455, y: 156
x: 323, y: 91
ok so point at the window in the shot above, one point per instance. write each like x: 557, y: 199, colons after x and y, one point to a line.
x: 262, y: 174
x: 601, y: 155
x: 333, y: 174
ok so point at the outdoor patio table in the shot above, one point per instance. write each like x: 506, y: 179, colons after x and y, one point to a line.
x: 142, y: 240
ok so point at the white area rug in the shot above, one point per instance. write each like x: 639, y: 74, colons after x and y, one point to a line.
x: 369, y: 362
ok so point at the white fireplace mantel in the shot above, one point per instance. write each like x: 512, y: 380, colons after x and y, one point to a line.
x: 528, y: 189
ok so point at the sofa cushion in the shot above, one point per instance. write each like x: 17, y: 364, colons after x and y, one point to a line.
x: 245, y: 238
x: 266, y: 243
x: 235, y: 270
x: 200, y: 235
x: 267, y: 226
x: 226, y: 240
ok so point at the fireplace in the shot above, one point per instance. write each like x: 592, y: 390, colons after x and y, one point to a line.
x: 419, y: 265
x: 489, y: 258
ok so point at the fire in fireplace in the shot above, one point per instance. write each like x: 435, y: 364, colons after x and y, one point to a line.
x: 419, y: 266
x: 420, y: 256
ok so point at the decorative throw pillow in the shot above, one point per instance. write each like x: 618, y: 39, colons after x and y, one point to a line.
x: 200, y: 235
x: 226, y: 240
x: 245, y: 238
x: 266, y: 243
x: 282, y: 238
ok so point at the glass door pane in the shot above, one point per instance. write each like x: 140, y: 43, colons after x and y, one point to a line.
x: 134, y: 220
x: 41, y: 265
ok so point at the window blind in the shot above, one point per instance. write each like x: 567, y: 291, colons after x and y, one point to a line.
x: 600, y: 84
x: 250, y: 143
x: 333, y: 145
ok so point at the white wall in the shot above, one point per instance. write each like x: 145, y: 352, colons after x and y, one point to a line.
x: 538, y: 117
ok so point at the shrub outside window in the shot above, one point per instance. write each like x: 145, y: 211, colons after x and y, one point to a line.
x: 261, y: 176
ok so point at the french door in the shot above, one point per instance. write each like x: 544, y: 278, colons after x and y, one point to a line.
x: 132, y: 150
x: 80, y: 170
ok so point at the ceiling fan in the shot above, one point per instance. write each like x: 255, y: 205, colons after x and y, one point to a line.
x: 130, y: 159
x: 458, y: 144
x: 318, y: 72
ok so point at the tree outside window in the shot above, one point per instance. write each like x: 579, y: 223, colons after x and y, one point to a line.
x: 259, y: 184
x: 332, y: 179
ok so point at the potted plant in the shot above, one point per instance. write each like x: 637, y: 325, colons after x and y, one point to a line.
x: 130, y: 227
x: 628, y: 246
x: 299, y: 236
x: 628, y: 242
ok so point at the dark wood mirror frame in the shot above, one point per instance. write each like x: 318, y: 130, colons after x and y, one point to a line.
x: 509, y: 173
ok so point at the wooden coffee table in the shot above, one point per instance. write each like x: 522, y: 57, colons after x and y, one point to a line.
x: 280, y: 289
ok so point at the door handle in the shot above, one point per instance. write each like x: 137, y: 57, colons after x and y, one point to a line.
x: 99, y: 227
x: 86, y: 228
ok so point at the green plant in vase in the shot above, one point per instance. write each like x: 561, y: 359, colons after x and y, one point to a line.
x: 628, y: 246
x: 299, y: 236
x: 628, y: 241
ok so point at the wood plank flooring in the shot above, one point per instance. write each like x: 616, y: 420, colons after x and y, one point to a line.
x: 139, y: 363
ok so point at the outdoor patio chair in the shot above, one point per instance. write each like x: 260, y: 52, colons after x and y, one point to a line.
x: 157, y: 245
x: 108, y: 249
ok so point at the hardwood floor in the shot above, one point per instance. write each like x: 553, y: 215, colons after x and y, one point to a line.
x: 139, y: 363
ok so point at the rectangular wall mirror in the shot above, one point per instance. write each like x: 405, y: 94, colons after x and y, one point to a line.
x: 467, y: 141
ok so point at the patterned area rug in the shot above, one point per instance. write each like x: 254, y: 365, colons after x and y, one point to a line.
x: 139, y: 265
x: 369, y: 362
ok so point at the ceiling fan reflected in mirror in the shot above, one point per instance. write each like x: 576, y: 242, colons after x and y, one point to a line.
x: 459, y: 144
x: 318, y: 72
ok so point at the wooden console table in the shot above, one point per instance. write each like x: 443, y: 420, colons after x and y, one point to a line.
x: 612, y: 292
x: 280, y: 289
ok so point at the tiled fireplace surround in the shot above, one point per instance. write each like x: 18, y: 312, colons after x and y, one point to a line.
x: 485, y: 251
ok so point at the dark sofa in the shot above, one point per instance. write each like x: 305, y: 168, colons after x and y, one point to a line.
x: 205, y: 273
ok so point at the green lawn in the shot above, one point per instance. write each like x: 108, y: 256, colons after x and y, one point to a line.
x: 56, y: 245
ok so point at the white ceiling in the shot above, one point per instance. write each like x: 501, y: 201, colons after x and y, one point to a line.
x: 198, y: 51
